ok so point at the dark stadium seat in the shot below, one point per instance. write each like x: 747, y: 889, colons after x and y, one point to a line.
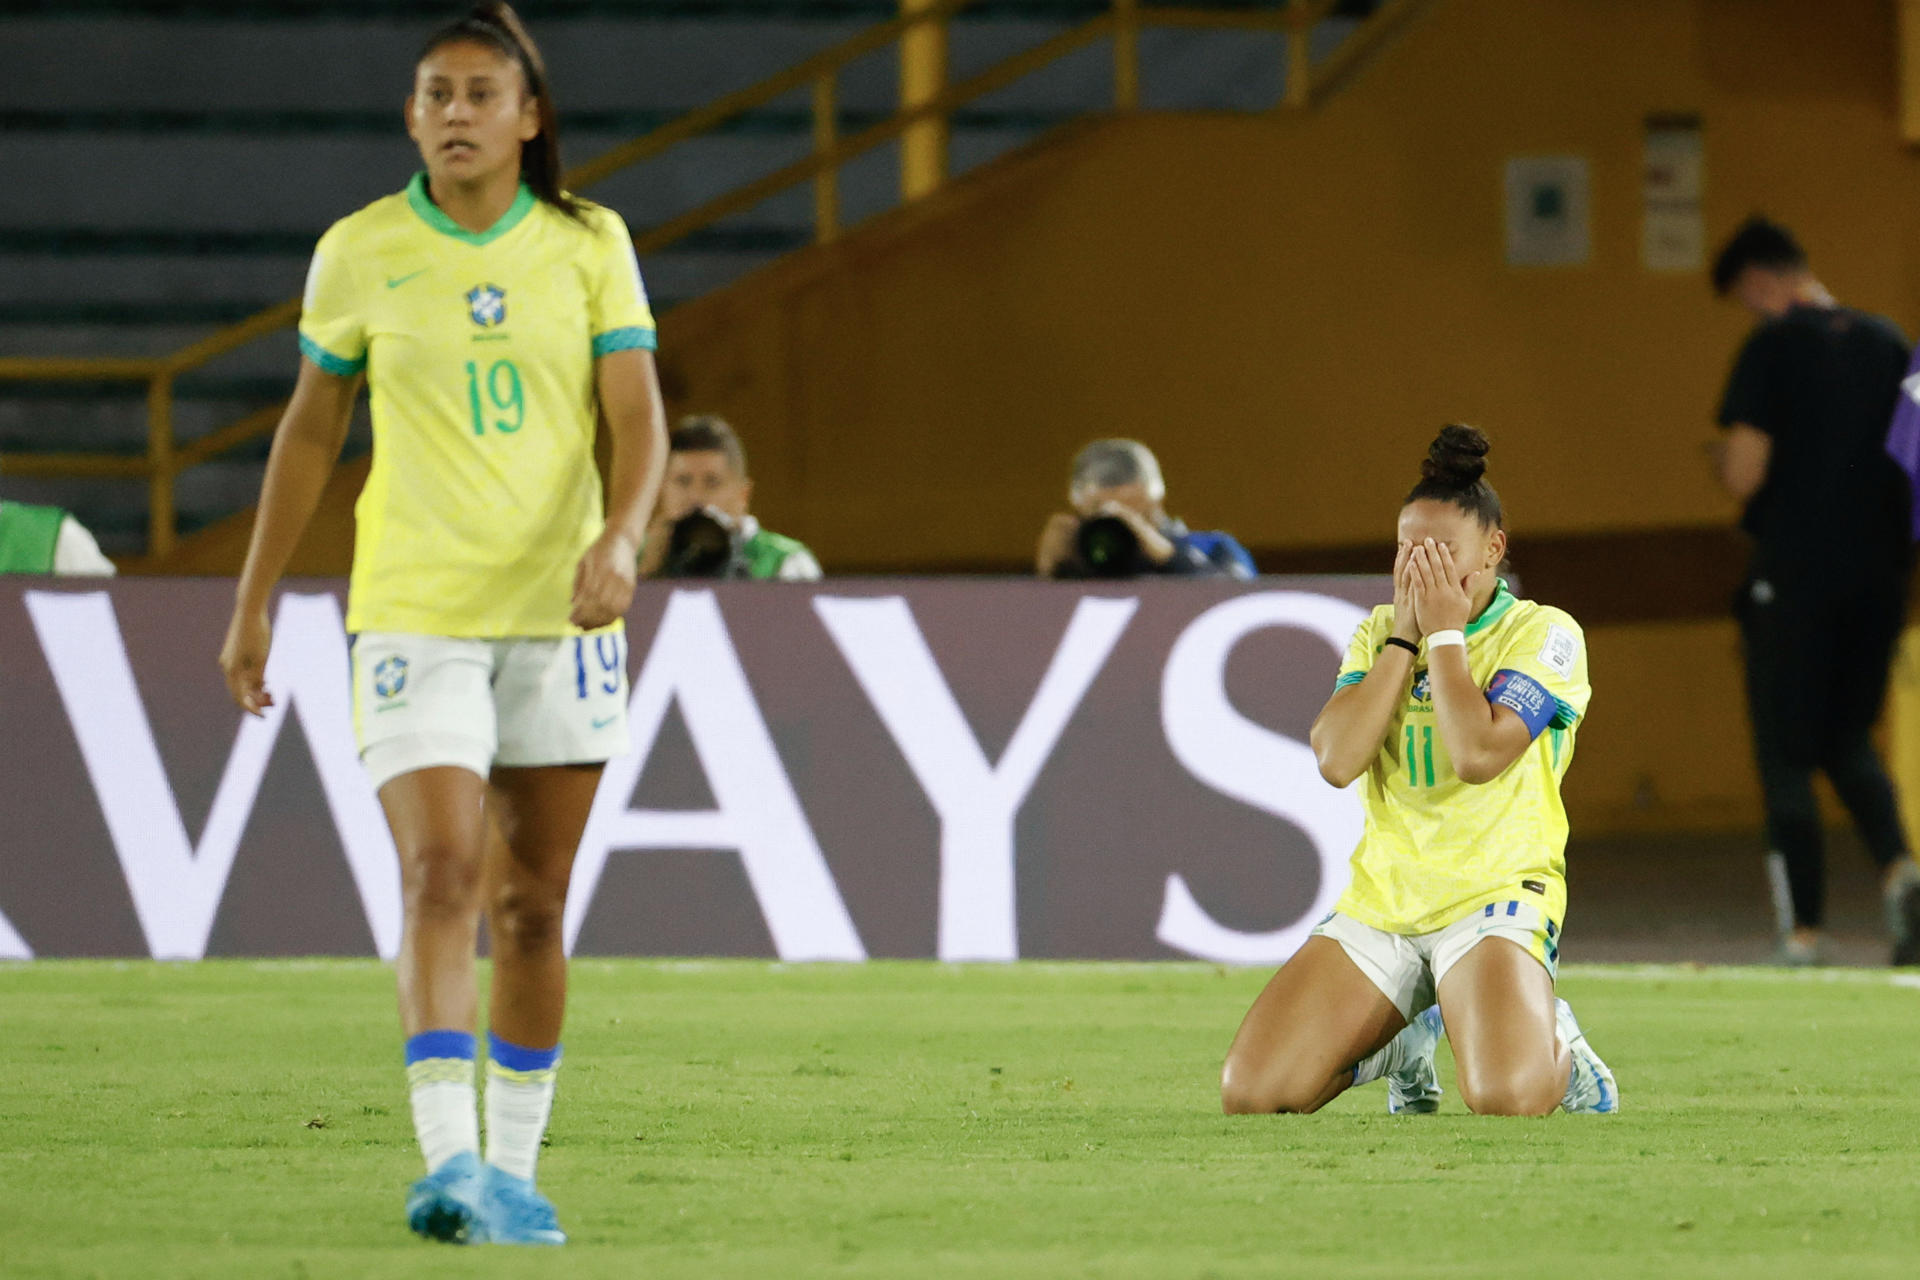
x: 154, y: 196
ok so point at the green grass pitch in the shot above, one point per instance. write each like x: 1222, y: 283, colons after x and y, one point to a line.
x: 904, y: 1120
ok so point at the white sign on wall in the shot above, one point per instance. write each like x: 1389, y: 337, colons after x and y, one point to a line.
x: 1673, y: 229
x: 1549, y: 211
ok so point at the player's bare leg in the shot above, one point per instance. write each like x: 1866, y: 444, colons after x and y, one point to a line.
x: 540, y: 815
x: 1498, y: 1003
x: 1297, y: 1047
x: 438, y: 819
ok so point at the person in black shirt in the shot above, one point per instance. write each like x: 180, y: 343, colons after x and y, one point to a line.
x: 1806, y: 412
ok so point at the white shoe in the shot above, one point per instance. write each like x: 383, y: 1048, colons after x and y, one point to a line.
x: 1792, y: 953
x: 1413, y: 1087
x: 1590, y: 1087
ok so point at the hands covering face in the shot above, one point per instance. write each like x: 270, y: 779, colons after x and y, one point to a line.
x: 1429, y: 592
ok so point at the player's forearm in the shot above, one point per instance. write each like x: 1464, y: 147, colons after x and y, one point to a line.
x: 1347, y: 734
x: 297, y: 473
x: 639, y: 461
x: 1463, y: 716
x: 637, y: 425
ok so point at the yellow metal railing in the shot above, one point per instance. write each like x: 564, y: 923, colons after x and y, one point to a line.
x: 928, y: 101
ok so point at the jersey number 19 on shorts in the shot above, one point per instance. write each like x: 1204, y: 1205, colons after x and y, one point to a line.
x: 607, y: 658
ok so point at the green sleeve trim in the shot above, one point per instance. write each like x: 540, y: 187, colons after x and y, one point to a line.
x: 1346, y: 678
x: 1564, y: 716
x: 637, y: 336
x: 338, y: 366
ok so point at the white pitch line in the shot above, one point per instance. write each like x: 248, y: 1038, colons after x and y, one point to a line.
x: 1739, y: 973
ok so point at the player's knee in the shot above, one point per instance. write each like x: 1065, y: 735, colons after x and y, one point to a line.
x: 1247, y: 1092
x: 1508, y: 1093
x: 442, y: 882
x: 525, y: 914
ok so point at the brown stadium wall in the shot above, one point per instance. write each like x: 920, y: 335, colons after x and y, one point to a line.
x: 1286, y: 307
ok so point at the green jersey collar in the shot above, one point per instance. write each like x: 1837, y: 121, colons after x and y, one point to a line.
x: 434, y: 216
x: 1501, y: 602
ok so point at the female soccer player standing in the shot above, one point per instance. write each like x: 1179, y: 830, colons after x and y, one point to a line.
x: 1458, y: 704
x: 495, y: 316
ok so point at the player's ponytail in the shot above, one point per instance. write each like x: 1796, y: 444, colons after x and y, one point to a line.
x: 493, y: 23
x: 1455, y: 471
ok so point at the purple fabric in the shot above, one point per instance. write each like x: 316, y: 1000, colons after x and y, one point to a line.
x: 1903, y: 437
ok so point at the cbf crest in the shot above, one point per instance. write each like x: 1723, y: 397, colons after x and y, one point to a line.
x: 390, y: 676
x: 487, y: 304
x: 1422, y: 687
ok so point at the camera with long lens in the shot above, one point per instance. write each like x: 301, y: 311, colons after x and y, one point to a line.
x: 703, y: 544
x: 1109, y: 548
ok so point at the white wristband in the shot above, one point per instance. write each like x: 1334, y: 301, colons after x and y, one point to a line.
x: 1441, y: 639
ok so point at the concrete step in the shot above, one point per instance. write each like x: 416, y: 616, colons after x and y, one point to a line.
x: 294, y: 78
x: 296, y: 187
x: 111, y: 418
x: 367, y: 64
x: 226, y: 285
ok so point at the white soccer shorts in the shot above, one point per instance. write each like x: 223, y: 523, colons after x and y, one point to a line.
x: 1408, y: 967
x: 426, y: 701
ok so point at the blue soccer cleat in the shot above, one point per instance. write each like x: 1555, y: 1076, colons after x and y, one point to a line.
x: 515, y: 1212
x: 1413, y: 1086
x: 445, y: 1205
x: 1590, y: 1087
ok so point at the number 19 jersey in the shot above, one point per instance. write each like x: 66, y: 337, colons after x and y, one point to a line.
x: 479, y: 350
x: 1436, y: 848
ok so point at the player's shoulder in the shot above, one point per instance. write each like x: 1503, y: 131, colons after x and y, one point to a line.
x: 598, y: 221
x: 1381, y: 618
x: 369, y: 225
x: 1532, y: 616
x: 1544, y: 634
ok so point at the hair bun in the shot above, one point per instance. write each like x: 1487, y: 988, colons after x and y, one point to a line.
x: 1457, y: 458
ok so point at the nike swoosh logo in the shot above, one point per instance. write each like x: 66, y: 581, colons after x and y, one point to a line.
x: 604, y: 722
x: 397, y: 281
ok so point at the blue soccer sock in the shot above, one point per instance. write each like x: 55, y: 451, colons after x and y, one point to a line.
x: 440, y: 1071
x: 519, y: 1101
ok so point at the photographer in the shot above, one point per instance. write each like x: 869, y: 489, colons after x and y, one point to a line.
x: 1120, y: 529
x: 703, y: 528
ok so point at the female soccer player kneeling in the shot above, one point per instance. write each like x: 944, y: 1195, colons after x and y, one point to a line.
x: 1458, y: 703
x: 496, y: 317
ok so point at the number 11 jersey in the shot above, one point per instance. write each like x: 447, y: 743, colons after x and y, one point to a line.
x: 1436, y: 848
x: 479, y: 350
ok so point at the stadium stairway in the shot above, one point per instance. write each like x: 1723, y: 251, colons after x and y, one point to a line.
x: 172, y: 162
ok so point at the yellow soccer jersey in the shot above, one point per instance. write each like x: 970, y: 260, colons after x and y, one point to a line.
x: 1436, y: 848
x: 479, y: 350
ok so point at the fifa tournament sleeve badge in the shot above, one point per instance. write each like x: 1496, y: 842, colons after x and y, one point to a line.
x: 1560, y: 650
